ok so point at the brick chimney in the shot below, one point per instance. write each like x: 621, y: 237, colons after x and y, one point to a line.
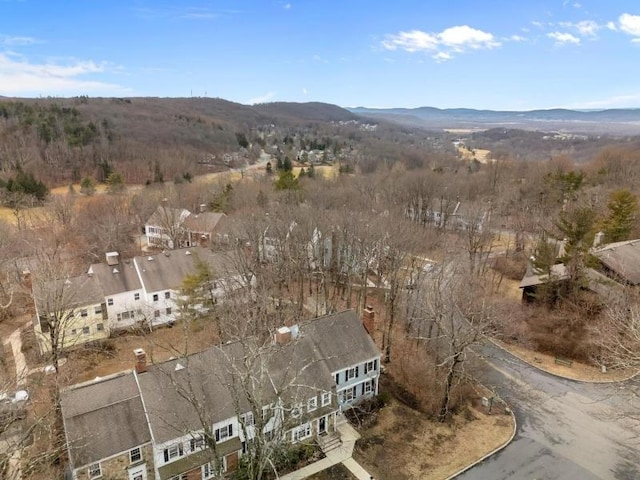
x: 283, y: 335
x: 141, y: 360
x: 368, y: 319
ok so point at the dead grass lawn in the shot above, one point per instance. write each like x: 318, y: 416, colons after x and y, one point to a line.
x: 404, y: 444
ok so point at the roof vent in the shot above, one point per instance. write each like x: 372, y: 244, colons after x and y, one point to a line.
x: 187, y: 252
x: 150, y: 258
x: 115, y: 270
x: 90, y: 271
x: 67, y: 282
x: 179, y: 367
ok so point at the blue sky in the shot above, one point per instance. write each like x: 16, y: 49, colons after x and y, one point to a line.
x: 495, y: 54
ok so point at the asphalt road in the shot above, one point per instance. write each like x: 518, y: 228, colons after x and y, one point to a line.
x: 566, y: 430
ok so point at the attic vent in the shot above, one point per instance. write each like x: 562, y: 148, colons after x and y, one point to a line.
x: 115, y: 270
x: 179, y: 367
x: 67, y: 282
x: 90, y: 271
x: 187, y: 252
x: 150, y: 258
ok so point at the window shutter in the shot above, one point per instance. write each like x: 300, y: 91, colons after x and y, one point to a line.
x: 166, y: 455
x: 337, y: 378
x: 230, y: 430
x: 217, y: 435
x: 375, y: 364
x: 180, y: 450
x: 357, y: 374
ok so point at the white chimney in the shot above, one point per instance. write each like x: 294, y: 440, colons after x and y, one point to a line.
x: 113, y: 258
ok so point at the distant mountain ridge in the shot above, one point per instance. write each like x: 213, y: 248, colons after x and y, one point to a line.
x: 624, y: 120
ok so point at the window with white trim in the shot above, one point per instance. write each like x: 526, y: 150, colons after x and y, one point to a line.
x: 126, y: 315
x: 368, y: 387
x: 172, y: 452
x: 196, y: 443
x: 84, y: 312
x: 371, y: 366
x: 95, y: 471
x: 100, y: 327
x: 110, y: 302
x: 182, y: 476
x: 247, y: 419
x: 135, y: 455
x: 312, y: 404
x: 168, y: 310
x: 136, y: 296
x: 97, y: 310
x: 167, y: 295
x: 86, y: 330
x: 223, y: 433
x: 301, y: 432
x: 326, y: 398
x: 347, y: 395
x: 351, y: 373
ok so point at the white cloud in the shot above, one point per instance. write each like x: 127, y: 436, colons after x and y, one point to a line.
x: 630, y: 24
x: 463, y: 36
x: 287, y: 6
x: 16, y: 41
x: 412, y: 41
x: 456, y: 39
x: 261, y: 99
x: 20, y: 77
x: 612, y: 26
x: 517, y: 38
x: 564, y: 38
x: 587, y: 27
x: 304, y: 91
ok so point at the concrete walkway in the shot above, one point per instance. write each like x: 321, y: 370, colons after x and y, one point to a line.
x: 342, y: 454
x: 15, y: 340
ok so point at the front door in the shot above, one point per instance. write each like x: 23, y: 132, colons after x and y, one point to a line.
x: 138, y: 472
x: 322, y: 425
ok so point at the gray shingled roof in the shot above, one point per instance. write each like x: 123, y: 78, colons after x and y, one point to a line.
x: 106, y: 417
x: 167, y: 270
x: 340, y: 339
x: 117, y: 278
x: 163, y: 215
x: 204, y: 222
x: 68, y: 293
x: 103, y: 418
x: 293, y: 371
x: 622, y: 258
x: 170, y: 393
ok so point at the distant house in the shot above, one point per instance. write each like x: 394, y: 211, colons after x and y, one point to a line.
x: 178, y: 227
x: 139, y: 425
x: 119, y: 293
x: 620, y: 261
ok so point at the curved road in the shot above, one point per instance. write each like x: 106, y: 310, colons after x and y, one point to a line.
x: 566, y: 430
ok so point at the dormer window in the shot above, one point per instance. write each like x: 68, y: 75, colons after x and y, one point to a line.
x: 312, y: 404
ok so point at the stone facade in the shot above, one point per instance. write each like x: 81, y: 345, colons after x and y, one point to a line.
x: 118, y: 467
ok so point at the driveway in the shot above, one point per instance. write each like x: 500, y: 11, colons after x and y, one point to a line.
x: 566, y: 430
